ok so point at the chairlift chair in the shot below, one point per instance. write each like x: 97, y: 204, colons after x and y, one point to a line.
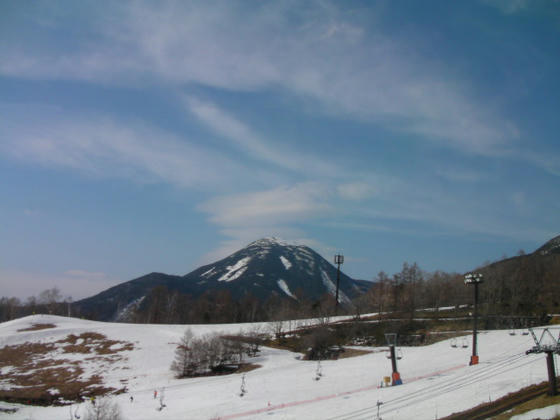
x: 454, y: 342
x: 399, y: 354
x: 512, y: 332
x: 525, y: 326
x: 465, y: 343
x: 319, y: 371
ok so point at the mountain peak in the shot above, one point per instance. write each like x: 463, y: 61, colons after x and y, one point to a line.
x: 266, y: 268
x: 270, y: 240
x: 551, y: 247
x: 274, y: 266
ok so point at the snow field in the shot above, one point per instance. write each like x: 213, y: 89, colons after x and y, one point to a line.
x: 436, y: 379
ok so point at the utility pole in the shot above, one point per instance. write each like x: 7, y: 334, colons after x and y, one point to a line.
x: 549, y: 345
x: 474, y: 279
x: 338, y: 260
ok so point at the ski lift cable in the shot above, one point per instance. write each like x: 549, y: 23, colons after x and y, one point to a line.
x: 477, y: 375
x: 420, y: 394
x: 455, y: 387
x: 473, y: 377
x: 400, y: 402
x: 394, y: 405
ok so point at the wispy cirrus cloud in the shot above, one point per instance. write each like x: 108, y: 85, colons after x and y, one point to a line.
x: 244, y: 217
x: 106, y: 147
x: 318, y: 52
x: 269, y: 207
x: 252, y: 144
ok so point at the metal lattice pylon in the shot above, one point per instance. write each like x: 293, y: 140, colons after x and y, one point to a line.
x: 546, y: 342
x: 549, y: 345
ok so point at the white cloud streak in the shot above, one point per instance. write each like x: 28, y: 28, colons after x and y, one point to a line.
x: 104, y: 147
x: 327, y: 57
x: 244, y: 217
x: 270, y: 207
x: 253, y: 145
x: 315, y: 53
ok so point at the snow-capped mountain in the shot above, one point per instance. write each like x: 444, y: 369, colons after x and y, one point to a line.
x: 265, y: 268
x: 271, y: 266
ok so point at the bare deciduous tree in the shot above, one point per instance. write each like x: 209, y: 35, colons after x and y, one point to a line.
x: 103, y: 409
x: 184, y: 362
x: 50, y: 298
x: 200, y: 355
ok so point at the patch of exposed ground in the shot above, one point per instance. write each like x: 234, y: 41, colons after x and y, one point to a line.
x: 541, y: 401
x: 518, y: 402
x: 352, y: 352
x: 248, y: 367
x: 49, y: 373
x: 37, y: 327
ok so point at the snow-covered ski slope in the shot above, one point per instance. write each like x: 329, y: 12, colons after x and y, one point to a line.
x: 437, y: 378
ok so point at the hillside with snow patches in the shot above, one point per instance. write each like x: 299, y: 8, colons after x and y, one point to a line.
x: 265, y: 268
x: 437, y: 378
x: 272, y: 266
x: 551, y: 247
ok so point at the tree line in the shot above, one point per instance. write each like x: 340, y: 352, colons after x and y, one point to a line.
x: 526, y: 285
x: 405, y: 291
x: 412, y: 289
x: 49, y: 301
x: 172, y: 307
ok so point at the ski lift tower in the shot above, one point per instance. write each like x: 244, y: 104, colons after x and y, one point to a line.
x: 392, y: 342
x: 549, y: 345
x: 338, y: 260
x: 474, y: 279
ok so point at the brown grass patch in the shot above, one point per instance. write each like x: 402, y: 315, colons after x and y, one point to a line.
x: 347, y: 353
x: 226, y: 370
x: 248, y: 367
x: 517, y: 402
x: 94, y: 343
x: 539, y: 402
x: 37, y: 327
x: 39, y: 374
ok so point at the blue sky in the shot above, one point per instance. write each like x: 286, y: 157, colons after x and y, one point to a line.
x: 160, y: 136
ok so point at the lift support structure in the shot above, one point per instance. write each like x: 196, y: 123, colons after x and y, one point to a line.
x: 549, y: 345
